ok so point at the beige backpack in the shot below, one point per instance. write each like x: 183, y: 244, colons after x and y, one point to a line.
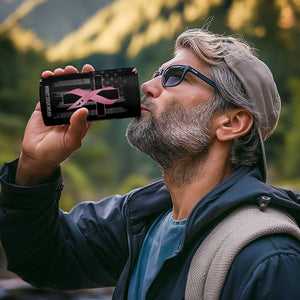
x: 212, y: 260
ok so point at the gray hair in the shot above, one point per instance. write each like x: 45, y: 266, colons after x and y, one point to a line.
x: 212, y: 48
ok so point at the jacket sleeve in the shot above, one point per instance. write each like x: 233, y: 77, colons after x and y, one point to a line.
x: 268, y: 269
x: 46, y: 247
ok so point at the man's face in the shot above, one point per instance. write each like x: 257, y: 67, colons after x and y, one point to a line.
x: 191, y: 92
x: 175, y: 121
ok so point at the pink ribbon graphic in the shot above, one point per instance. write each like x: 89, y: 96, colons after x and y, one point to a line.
x: 91, y: 95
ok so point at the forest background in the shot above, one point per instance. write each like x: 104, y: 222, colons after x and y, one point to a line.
x: 36, y: 35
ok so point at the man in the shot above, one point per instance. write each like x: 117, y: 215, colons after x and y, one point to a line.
x: 205, y: 114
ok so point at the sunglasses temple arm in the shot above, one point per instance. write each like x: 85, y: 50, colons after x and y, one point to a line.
x: 204, y: 78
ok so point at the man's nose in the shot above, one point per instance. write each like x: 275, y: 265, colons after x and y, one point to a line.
x: 152, y: 88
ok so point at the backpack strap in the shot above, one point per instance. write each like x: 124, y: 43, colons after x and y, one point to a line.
x: 212, y: 260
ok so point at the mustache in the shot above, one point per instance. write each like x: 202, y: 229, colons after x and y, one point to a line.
x: 148, y: 103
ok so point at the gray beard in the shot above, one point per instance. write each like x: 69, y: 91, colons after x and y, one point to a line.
x: 177, y: 138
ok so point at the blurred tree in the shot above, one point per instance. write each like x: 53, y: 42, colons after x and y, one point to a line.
x: 291, y: 159
x: 18, y: 73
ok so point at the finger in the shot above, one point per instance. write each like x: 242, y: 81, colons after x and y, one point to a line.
x: 47, y: 74
x: 77, y: 130
x: 58, y: 71
x: 70, y: 70
x: 87, y: 68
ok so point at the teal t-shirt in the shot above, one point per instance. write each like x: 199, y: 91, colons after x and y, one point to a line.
x: 161, y: 242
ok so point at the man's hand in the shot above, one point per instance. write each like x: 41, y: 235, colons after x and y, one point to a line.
x: 44, y: 148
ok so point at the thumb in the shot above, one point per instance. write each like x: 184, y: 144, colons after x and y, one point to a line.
x: 77, y: 129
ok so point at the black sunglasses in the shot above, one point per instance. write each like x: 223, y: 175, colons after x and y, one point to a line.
x: 174, y: 75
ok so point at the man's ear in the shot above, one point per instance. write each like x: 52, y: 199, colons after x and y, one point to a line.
x: 233, y: 124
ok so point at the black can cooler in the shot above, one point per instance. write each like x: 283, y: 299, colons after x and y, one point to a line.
x: 107, y: 94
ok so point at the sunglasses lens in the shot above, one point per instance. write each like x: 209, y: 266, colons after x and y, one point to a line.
x: 173, y: 75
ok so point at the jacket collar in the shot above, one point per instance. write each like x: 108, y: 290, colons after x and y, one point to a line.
x: 146, y: 204
x: 243, y: 186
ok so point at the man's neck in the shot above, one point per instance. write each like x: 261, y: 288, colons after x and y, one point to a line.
x: 198, y: 177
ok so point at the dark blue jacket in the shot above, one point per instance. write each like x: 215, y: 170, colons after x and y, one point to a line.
x: 98, y: 244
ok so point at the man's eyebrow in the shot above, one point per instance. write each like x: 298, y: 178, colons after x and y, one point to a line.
x: 164, y: 66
